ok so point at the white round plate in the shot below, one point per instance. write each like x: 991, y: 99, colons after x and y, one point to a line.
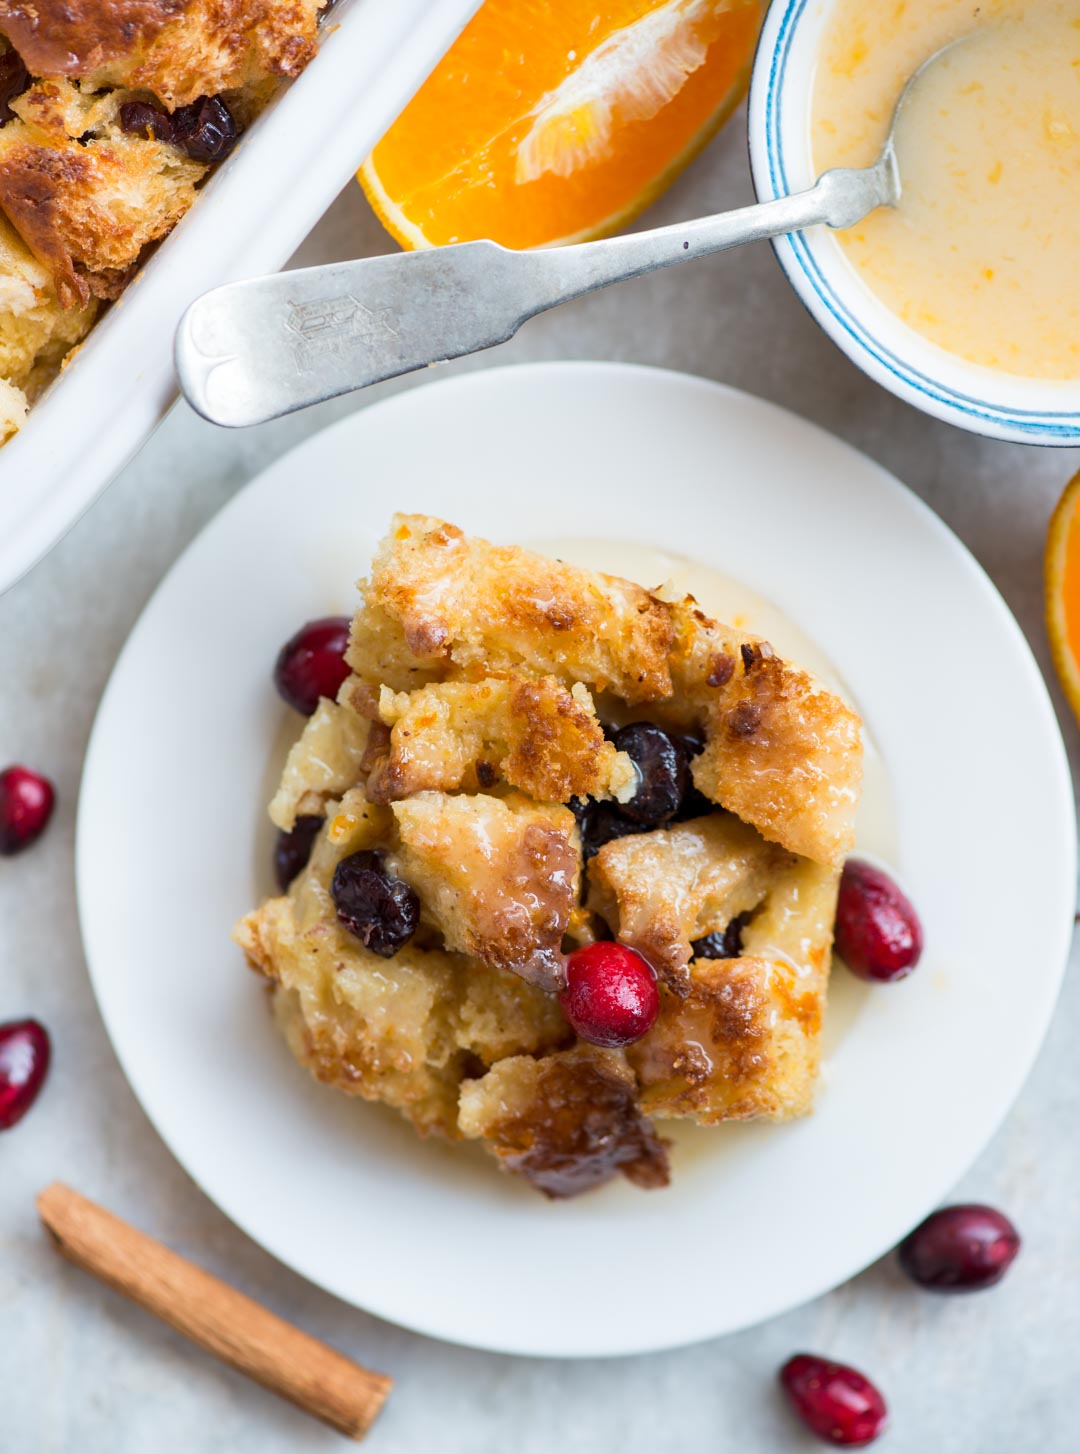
x: 171, y: 849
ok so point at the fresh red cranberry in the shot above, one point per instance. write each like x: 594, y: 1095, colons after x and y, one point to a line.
x: 311, y: 664
x: 293, y: 849
x: 960, y: 1249
x: 663, y: 773
x: 207, y: 130
x: 24, y: 1064
x: 611, y: 997
x: 878, y: 933
x: 382, y: 911
x: 26, y: 803
x: 14, y: 80
x: 837, y: 1403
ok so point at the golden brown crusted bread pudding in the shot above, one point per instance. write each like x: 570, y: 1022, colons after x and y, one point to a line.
x: 177, y: 49
x: 477, y: 768
x: 111, y: 113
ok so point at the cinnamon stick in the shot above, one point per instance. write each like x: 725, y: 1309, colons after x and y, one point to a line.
x: 213, y: 1315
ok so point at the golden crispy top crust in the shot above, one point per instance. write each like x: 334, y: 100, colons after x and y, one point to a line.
x: 178, y: 49
x: 780, y: 751
x: 486, y: 608
x: 78, y: 36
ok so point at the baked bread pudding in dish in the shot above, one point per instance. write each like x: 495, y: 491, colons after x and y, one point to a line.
x: 111, y: 114
x: 560, y: 860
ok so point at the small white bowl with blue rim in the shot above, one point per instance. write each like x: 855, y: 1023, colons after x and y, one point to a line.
x: 1004, y: 406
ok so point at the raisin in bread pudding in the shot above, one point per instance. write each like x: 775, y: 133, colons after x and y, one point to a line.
x: 530, y: 767
x: 111, y: 114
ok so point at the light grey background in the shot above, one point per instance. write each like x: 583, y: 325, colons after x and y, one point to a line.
x: 82, y: 1370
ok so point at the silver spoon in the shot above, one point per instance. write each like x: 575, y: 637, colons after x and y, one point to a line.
x: 252, y: 351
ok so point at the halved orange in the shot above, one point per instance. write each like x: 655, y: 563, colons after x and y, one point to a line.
x: 1063, y: 590
x: 558, y: 120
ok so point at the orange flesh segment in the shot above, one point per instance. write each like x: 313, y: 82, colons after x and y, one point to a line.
x: 457, y: 165
x: 1071, y: 584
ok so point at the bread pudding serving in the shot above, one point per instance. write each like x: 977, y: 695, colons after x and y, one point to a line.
x: 559, y: 862
x: 111, y: 114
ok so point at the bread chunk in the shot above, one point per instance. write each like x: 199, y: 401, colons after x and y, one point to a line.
x: 85, y: 196
x: 781, y: 751
x: 745, y: 1040
x: 534, y: 735
x: 177, y: 49
x: 381, y: 1029
x: 567, y: 1122
x: 327, y: 759
x: 36, y: 332
x: 12, y: 410
x: 660, y: 891
x: 380, y: 657
x: 497, y: 877
x: 404, y: 1030
x: 482, y: 608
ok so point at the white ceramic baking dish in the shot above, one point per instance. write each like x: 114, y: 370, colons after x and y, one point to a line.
x: 249, y: 218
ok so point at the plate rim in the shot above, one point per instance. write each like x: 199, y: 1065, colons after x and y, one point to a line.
x: 404, y: 401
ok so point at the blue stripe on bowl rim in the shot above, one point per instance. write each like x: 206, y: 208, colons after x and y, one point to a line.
x: 1064, y: 424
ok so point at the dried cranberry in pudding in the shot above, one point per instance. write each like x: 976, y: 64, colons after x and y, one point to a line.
x: 206, y: 129
x: 26, y: 803
x: 611, y: 997
x: 14, y: 80
x: 293, y: 849
x: 24, y: 1063
x: 599, y: 822
x: 960, y: 1249
x: 727, y: 945
x: 663, y: 773
x: 380, y: 910
x: 837, y: 1403
x: 140, y: 118
x: 694, y: 804
x: 311, y: 664
x: 878, y: 934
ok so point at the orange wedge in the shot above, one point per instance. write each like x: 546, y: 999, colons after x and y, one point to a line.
x: 553, y: 121
x: 1063, y: 590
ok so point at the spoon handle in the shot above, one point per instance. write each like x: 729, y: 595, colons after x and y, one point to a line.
x: 252, y: 351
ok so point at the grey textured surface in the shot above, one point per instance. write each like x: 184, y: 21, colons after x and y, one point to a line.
x: 82, y: 1370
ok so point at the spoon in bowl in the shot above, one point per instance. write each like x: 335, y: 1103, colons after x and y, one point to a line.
x: 252, y: 351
